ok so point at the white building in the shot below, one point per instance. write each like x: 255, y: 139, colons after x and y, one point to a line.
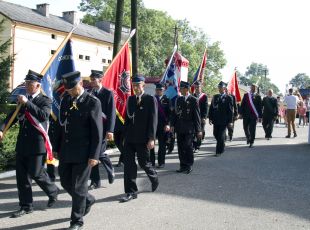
x: 36, y: 34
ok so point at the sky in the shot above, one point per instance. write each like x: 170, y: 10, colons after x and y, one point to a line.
x: 272, y: 32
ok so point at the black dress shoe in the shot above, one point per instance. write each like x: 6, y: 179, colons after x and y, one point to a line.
x: 128, y: 197
x: 189, y: 170
x: 52, y: 200
x: 288, y: 136
x: 230, y: 138
x: 21, y: 212
x: 111, y: 177
x: 75, y: 227
x: 119, y: 164
x: 295, y: 134
x: 93, y: 186
x: 155, y: 185
x: 161, y: 166
x: 88, y: 207
x: 251, y: 145
x: 181, y: 170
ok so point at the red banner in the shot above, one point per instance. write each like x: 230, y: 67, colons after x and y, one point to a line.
x: 233, y: 87
x: 117, y: 79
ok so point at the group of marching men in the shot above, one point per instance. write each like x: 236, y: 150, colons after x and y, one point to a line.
x: 87, y: 121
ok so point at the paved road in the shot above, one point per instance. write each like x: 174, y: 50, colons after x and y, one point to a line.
x: 266, y: 187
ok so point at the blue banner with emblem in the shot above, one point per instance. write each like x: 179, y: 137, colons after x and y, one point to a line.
x: 170, y: 81
x: 51, y: 83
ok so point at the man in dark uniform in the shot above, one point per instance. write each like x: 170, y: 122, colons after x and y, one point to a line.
x: 78, y: 144
x: 108, y: 117
x: 140, y: 134
x: 203, y: 107
x: 230, y: 128
x: 31, y: 145
x: 163, y: 105
x: 251, y: 112
x: 119, y: 135
x: 270, y: 113
x: 221, y: 116
x: 186, y: 122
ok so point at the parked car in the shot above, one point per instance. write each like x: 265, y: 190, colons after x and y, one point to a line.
x: 19, y: 90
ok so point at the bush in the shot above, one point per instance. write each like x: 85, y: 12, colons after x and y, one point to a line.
x: 7, y: 146
x: 6, y: 109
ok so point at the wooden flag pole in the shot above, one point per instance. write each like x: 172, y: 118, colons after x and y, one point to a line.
x: 43, y: 72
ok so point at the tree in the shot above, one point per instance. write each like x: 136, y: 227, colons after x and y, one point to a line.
x: 257, y: 73
x: 156, y: 39
x: 118, y: 26
x: 6, y: 62
x: 301, y: 80
x: 134, y: 40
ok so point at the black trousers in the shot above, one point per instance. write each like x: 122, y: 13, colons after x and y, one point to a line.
x: 107, y: 164
x: 268, y: 126
x: 197, y: 141
x: 130, y: 166
x: 185, y: 150
x: 231, y: 130
x: 74, y: 178
x: 219, y: 132
x: 51, y: 171
x: 170, y: 141
x: 30, y: 168
x: 119, y: 142
x: 161, y: 136
x: 249, y: 126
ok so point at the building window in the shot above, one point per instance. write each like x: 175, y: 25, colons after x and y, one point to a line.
x: 87, y: 58
x: 81, y: 57
x: 109, y: 47
x: 54, y: 36
x: 104, y: 60
x: 109, y: 61
x: 53, y: 51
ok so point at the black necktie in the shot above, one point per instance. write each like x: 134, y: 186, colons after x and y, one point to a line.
x: 29, y: 97
x: 138, y: 100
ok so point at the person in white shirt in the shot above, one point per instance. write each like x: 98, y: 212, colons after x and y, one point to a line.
x: 291, y: 102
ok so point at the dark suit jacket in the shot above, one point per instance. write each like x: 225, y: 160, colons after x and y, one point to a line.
x: 142, y: 126
x: 203, y: 104
x: 235, y: 107
x: 80, y: 135
x: 270, y: 107
x: 163, y: 106
x: 29, y: 140
x: 245, y: 109
x: 108, y: 108
x: 221, y: 110
x: 186, y: 115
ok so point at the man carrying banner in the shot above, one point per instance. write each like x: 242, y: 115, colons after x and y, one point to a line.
x: 32, y: 145
x: 163, y: 125
x: 108, y: 118
x: 140, y: 134
x: 79, y: 142
x: 203, y: 107
x: 186, y: 122
x: 251, y: 112
x: 221, y: 116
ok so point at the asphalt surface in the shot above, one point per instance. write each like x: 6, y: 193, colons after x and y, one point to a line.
x: 266, y: 187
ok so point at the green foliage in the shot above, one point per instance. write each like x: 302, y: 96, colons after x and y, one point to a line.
x: 5, y: 64
x: 257, y: 73
x: 7, y: 108
x: 7, y: 146
x: 301, y: 80
x: 156, y: 39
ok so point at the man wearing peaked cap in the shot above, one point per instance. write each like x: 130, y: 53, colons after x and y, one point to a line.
x: 220, y: 115
x: 185, y: 120
x: 78, y: 143
x: 140, y: 134
x: 203, y: 107
x: 30, y: 147
x: 108, y: 118
x: 163, y: 125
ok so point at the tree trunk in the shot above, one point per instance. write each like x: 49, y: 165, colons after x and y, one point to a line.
x: 134, y: 40
x: 118, y: 26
